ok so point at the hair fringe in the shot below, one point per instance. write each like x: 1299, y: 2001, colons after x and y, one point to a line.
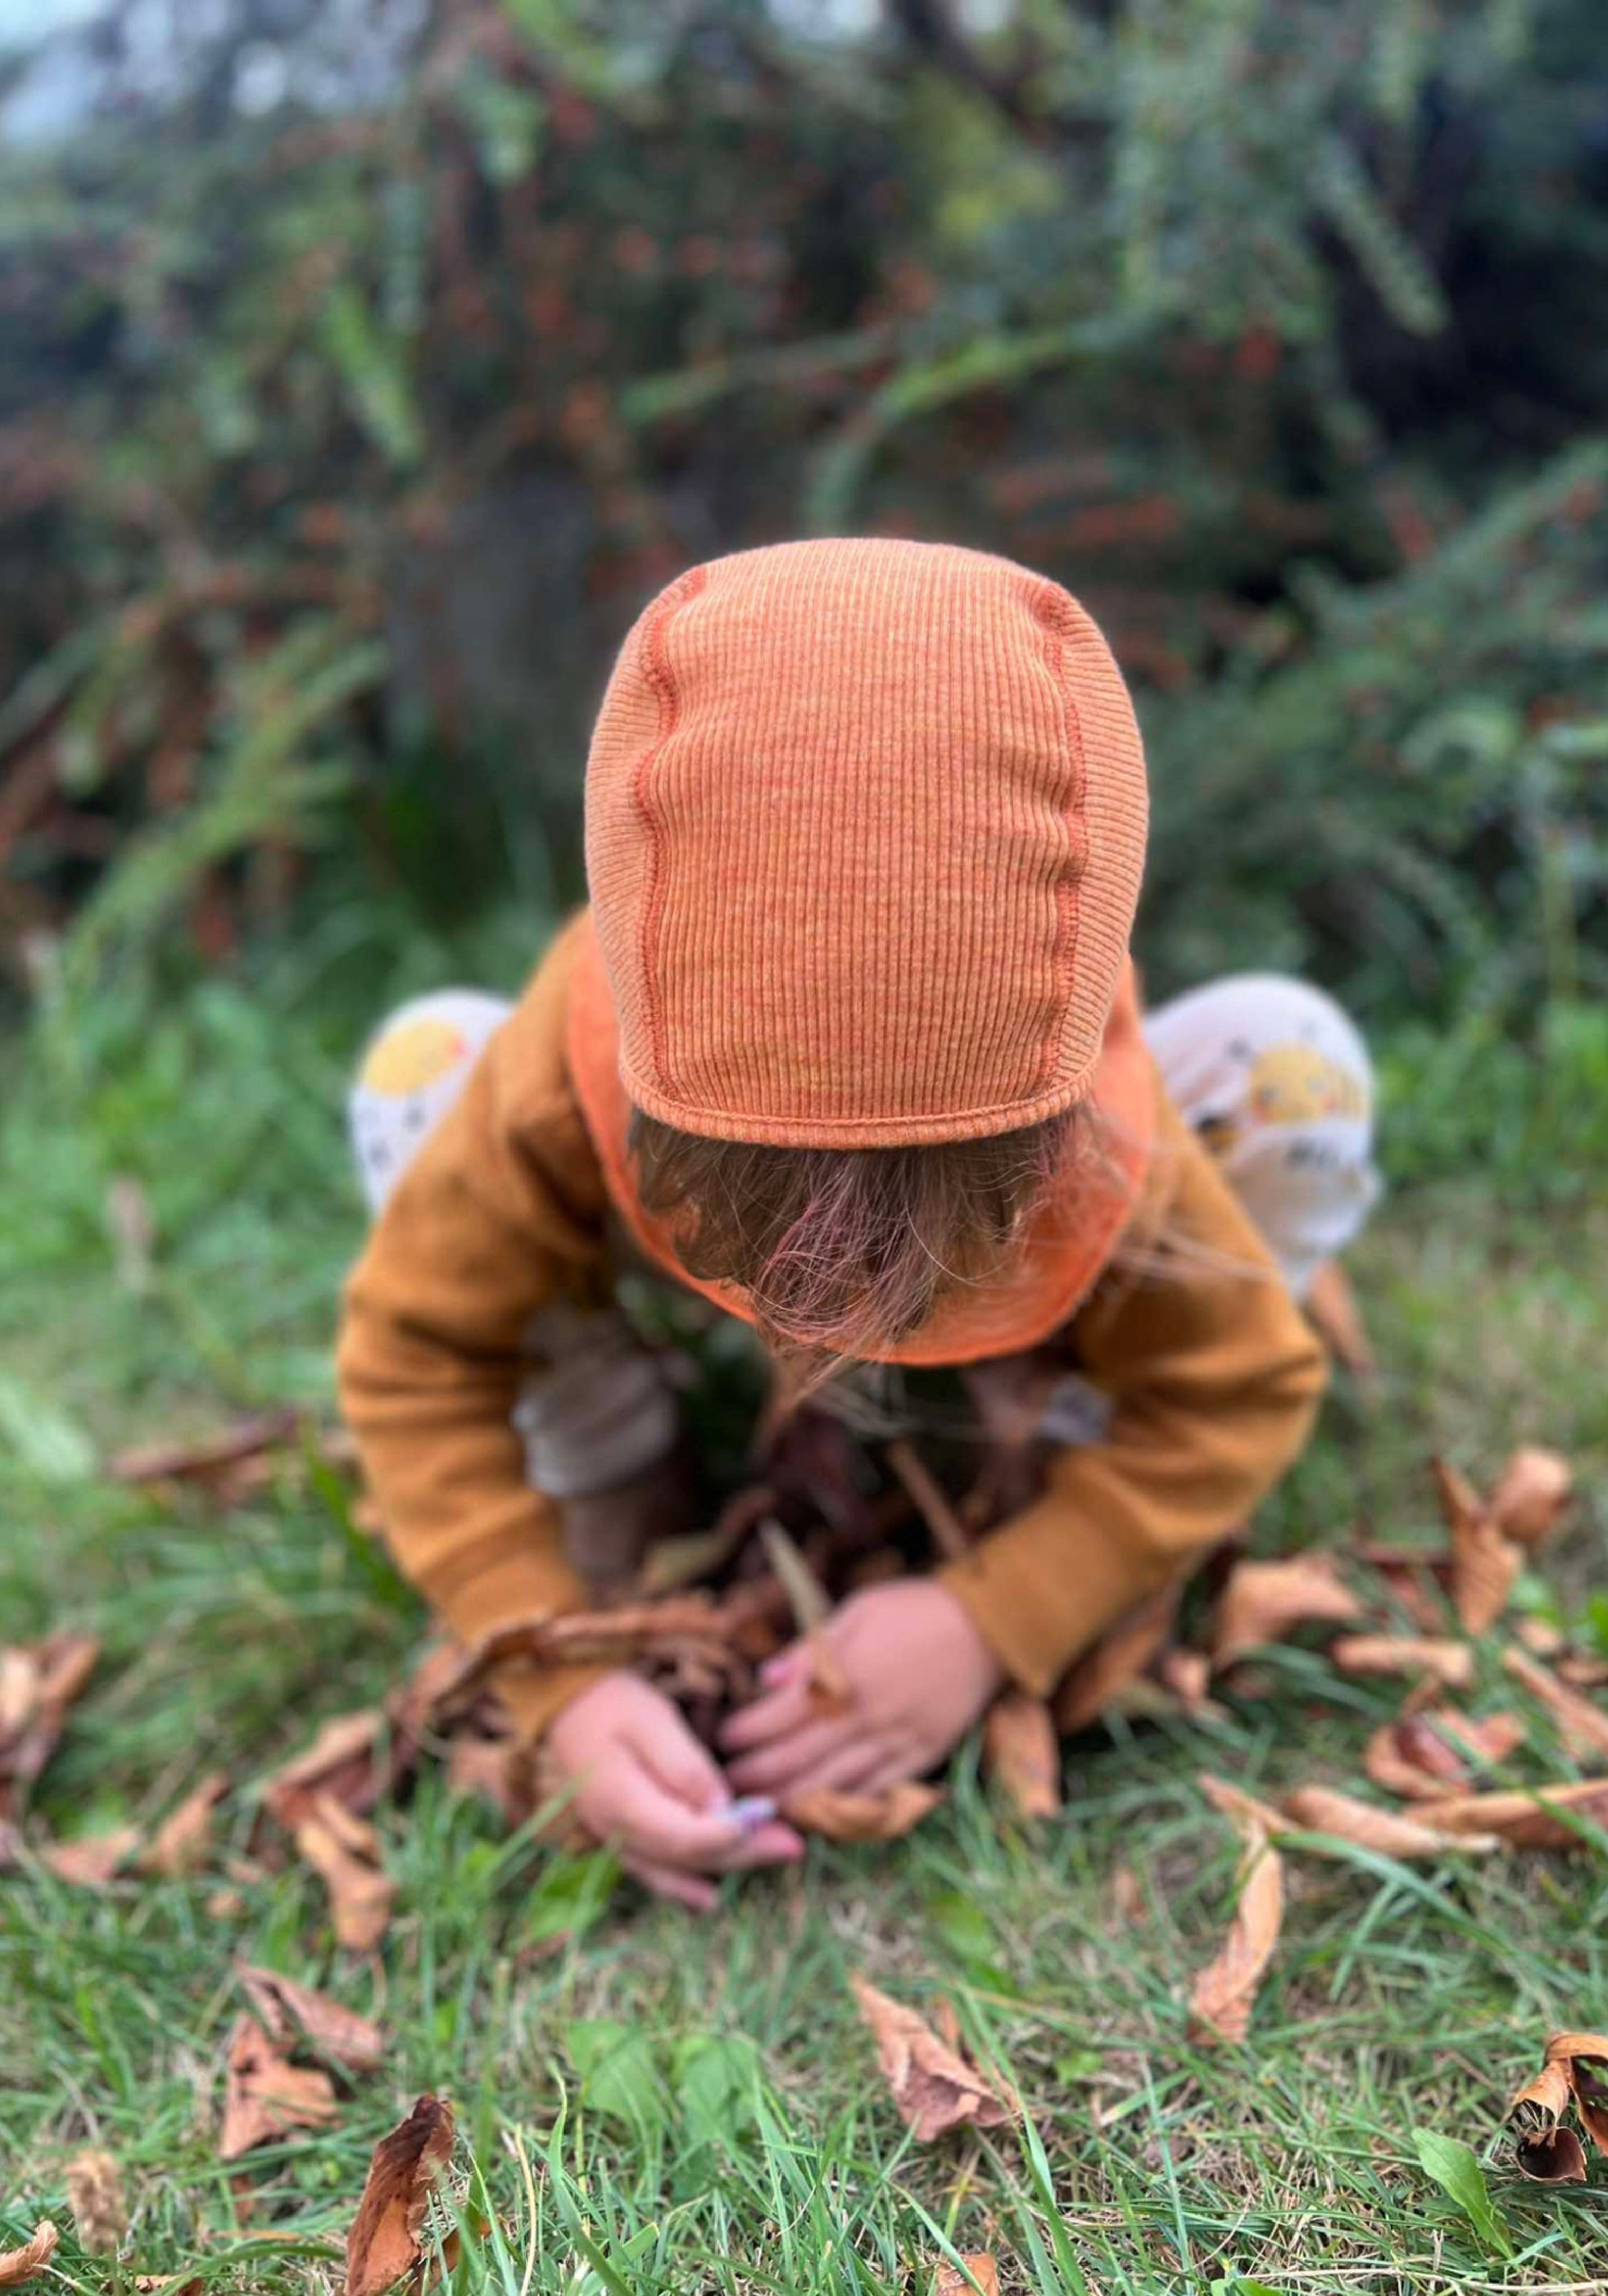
x: 843, y: 1253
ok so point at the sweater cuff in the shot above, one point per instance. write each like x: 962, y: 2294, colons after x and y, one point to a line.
x: 1034, y: 1620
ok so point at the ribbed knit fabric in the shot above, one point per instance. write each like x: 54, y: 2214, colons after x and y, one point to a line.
x: 865, y: 831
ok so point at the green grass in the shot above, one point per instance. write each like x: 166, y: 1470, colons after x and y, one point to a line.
x: 739, y: 2137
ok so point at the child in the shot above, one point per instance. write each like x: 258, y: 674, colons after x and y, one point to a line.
x: 850, y: 1042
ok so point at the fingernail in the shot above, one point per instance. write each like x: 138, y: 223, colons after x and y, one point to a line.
x: 751, y: 1811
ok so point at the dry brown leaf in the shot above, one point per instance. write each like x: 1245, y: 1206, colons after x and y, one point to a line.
x: 1584, y: 2056
x: 385, y: 2244
x: 1117, y: 1658
x: 1545, y: 2152
x: 1415, y: 1578
x: 167, y: 2283
x: 288, y: 2010
x: 949, y: 2280
x: 1224, y: 1993
x: 223, y: 1906
x: 1023, y: 1753
x: 1320, y: 1810
x: 92, y: 1861
x: 183, y: 1841
x: 1583, y: 1727
x: 830, y: 1692
x: 624, y: 1636
x: 342, y: 1765
x: 1540, y: 1638
x: 1534, y: 1489
x: 20, y: 2264
x: 1330, y: 1306
x: 343, y: 1852
x: 499, y: 1771
x: 1449, y: 1663
x: 1524, y: 1816
x: 1234, y: 1802
x: 38, y: 1682
x: 1409, y: 1756
x: 265, y: 2095
x: 208, y: 1456
x: 1581, y: 1672
x: 1263, y: 1601
x: 1485, y: 1562
x: 933, y: 2086
x: 885, y: 1816
x: 1486, y: 1739
x: 99, y: 2204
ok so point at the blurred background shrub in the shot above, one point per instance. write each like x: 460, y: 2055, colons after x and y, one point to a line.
x: 366, y: 364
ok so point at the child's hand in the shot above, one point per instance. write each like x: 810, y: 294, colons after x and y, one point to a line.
x: 644, y: 1783
x: 920, y: 1673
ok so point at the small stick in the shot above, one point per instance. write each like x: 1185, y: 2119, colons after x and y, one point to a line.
x: 950, y: 1534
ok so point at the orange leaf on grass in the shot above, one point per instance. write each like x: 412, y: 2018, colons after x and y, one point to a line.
x: 345, y: 1852
x: 1023, y: 1753
x: 1318, y: 1809
x: 1120, y: 1656
x: 183, y: 1841
x: 1409, y: 1757
x: 289, y: 2012
x: 92, y: 1861
x: 1534, y: 1489
x: 1224, y: 1993
x: 1525, y: 1816
x: 1245, y: 1810
x: 1583, y: 1727
x: 265, y: 2095
x: 1485, y: 1562
x: 18, y: 2265
x: 1486, y: 1739
x: 38, y: 1682
x: 386, y: 2243
x: 1543, y: 2150
x: 342, y: 1765
x: 949, y: 2280
x: 1450, y: 1664
x: 885, y: 1816
x: 934, y: 2088
x: 1264, y: 1601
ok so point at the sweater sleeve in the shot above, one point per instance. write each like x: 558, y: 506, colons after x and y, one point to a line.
x: 1213, y: 1377
x: 500, y: 1212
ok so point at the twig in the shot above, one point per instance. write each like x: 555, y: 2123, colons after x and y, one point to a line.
x: 950, y: 1534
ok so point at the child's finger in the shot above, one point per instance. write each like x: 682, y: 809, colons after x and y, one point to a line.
x: 771, y: 1767
x: 772, y: 1845
x: 785, y: 1667
x: 851, y: 1769
x: 680, y: 1765
x: 668, y: 1881
x: 778, y: 1711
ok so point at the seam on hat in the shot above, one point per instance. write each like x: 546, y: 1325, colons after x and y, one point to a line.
x: 656, y: 669
x: 1055, y: 613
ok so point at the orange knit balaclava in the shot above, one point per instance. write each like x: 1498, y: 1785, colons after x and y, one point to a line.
x: 865, y: 831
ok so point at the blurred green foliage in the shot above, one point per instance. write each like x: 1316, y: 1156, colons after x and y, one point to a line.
x: 343, y: 426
